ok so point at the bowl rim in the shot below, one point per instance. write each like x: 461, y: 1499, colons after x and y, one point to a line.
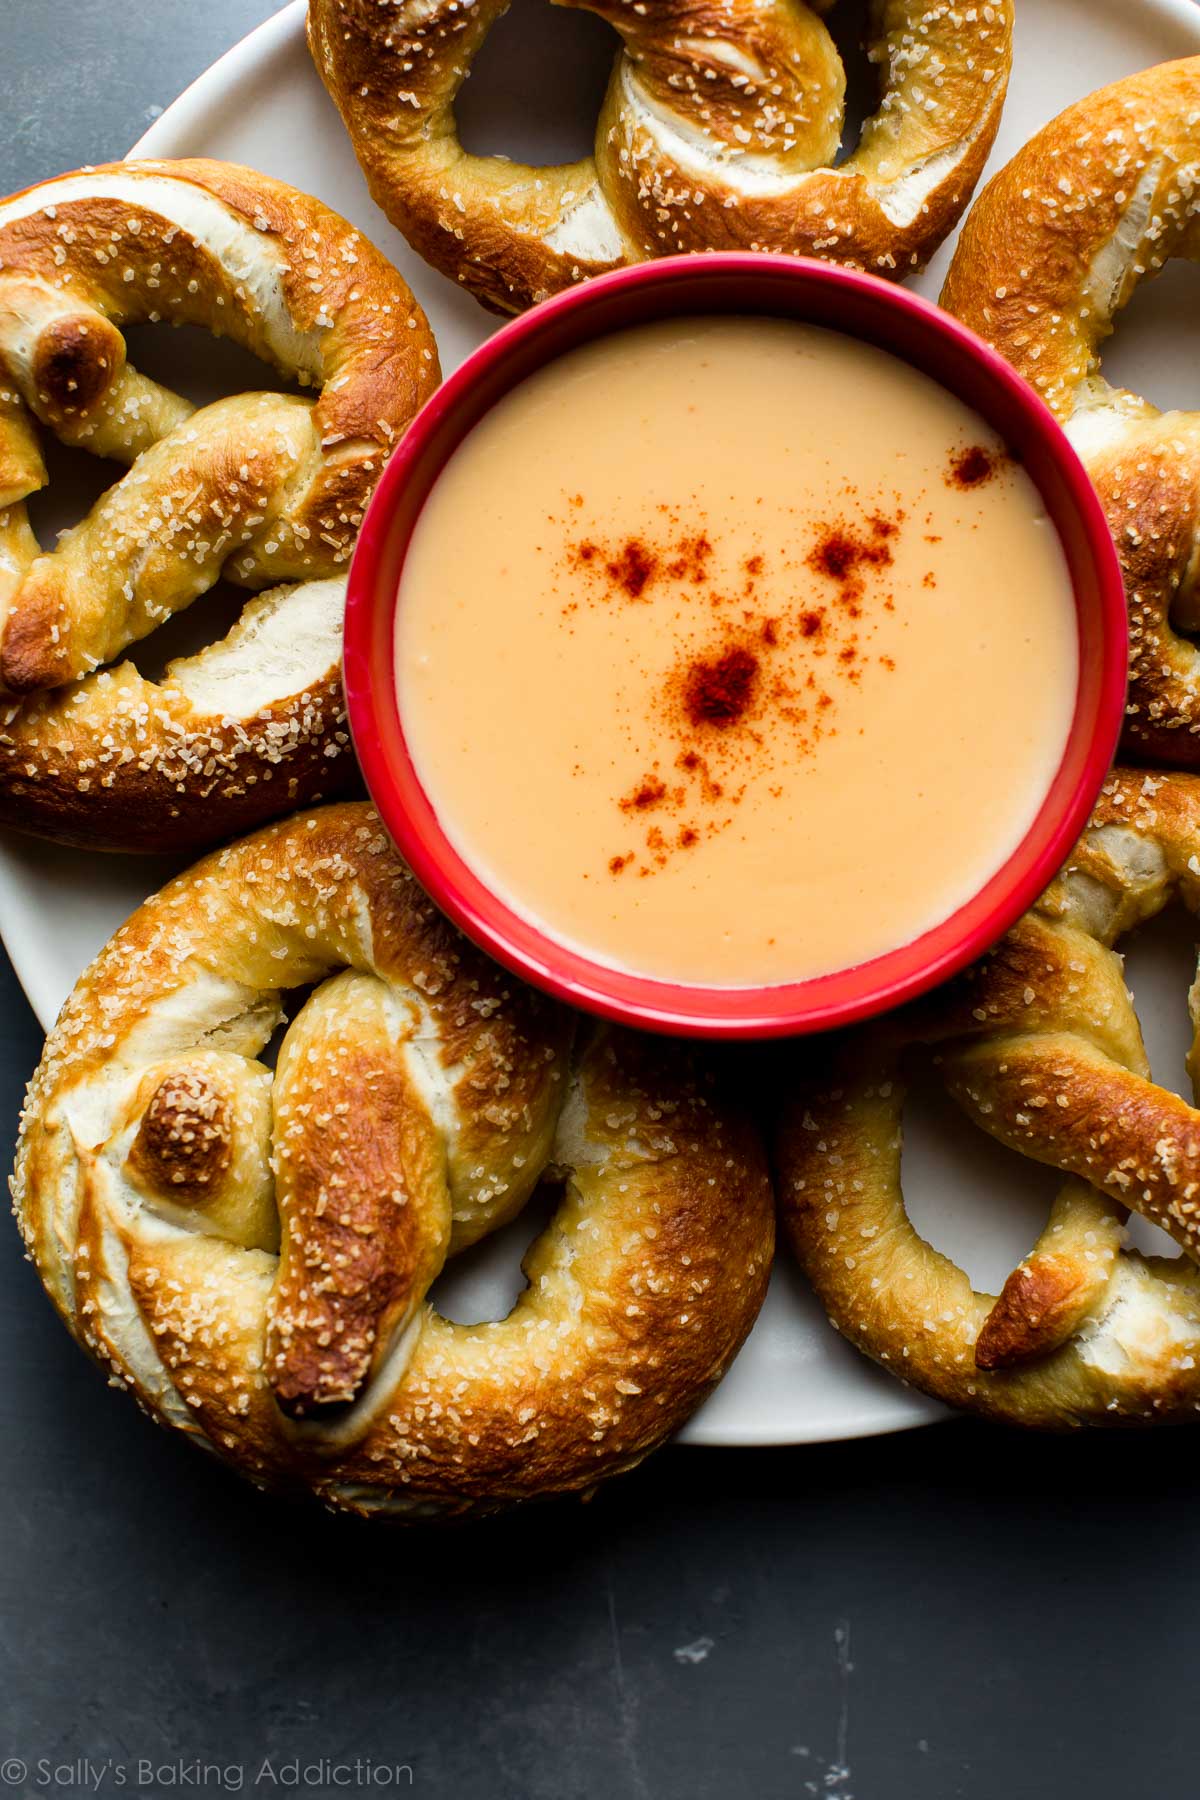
x: 689, y: 286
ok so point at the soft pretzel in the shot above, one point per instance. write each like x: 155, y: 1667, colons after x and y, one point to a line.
x: 717, y: 132
x: 420, y: 1095
x: 1039, y: 1043
x: 263, y: 489
x: 1054, y: 248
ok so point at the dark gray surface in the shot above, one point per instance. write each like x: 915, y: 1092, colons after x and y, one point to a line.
x: 951, y: 1612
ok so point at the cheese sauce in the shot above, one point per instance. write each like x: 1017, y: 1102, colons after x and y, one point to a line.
x: 733, y: 651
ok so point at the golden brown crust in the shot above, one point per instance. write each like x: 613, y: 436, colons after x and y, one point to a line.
x: 1060, y: 237
x: 419, y: 1097
x: 1041, y: 1304
x: 259, y: 488
x: 1149, y: 482
x: 183, y: 1143
x: 1100, y: 199
x: 198, y: 1133
x: 361, y: 1185
x: 1040, y: 1044
x: 1056, y: 1100
x: 717, y: 131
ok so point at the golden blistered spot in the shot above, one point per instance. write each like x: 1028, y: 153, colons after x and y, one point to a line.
x: 183, y: 1145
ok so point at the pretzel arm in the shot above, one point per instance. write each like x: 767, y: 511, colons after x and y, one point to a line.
x: 116, y: 761
x: 1054, y: 1290
x: 919, y: 51
x: 156, y: 541
x: 362, y: 1193
x: 1061, y: 1101
x: 18, y: 549
x: 135, y: 413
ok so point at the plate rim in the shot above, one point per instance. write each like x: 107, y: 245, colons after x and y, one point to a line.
x: 279, y: 34
x: 276, y: 31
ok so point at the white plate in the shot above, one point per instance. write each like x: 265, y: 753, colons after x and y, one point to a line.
x: 534, y: 94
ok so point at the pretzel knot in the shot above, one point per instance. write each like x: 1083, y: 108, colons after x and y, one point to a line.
x: 1054, y: 248
x: 419, y: 1097
x: 262, y: 489
x: 717, y: 132
x: 1040, y: 1045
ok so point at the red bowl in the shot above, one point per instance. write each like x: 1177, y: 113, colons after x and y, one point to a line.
x: 820, y: 294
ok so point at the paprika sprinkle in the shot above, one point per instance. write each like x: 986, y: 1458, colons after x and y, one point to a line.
x: 973, y: 466
x: 729, y: 689
x: 719, y: 691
